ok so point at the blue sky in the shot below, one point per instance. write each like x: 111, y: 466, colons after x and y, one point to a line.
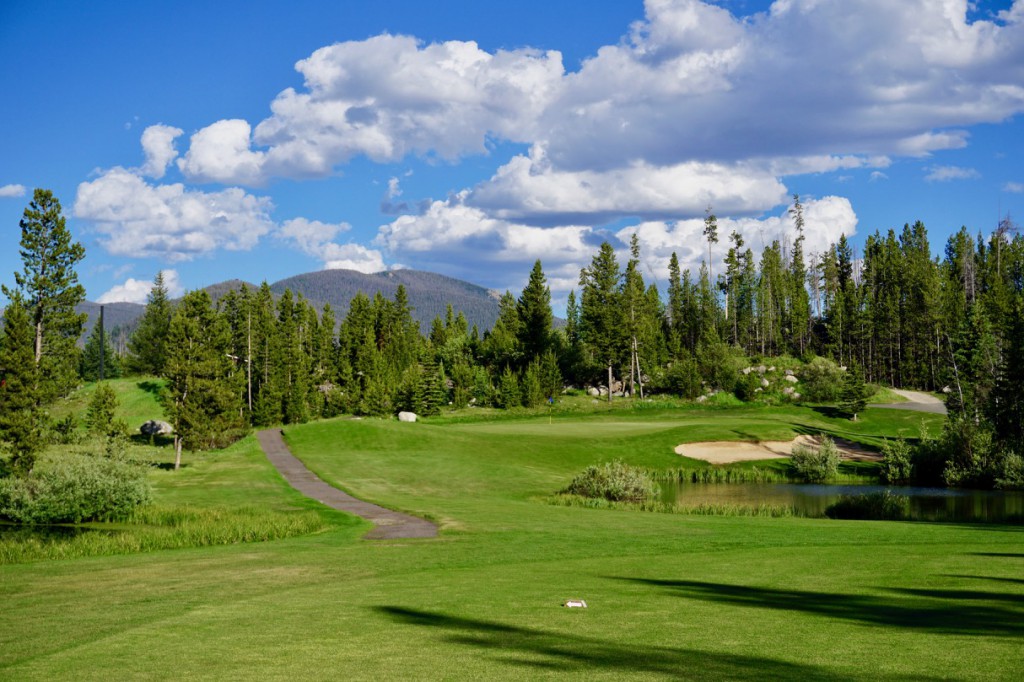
x: 259, y: 140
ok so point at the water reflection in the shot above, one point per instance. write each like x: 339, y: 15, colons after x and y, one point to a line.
x: 925, y: 504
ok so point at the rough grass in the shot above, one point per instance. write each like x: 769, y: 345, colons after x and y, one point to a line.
x: 671, y: 596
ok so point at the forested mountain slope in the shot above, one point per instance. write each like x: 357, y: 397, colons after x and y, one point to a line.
x: 429, y: 293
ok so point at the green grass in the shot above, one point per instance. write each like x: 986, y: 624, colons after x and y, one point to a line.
x: 138, y: 399
x: 671, y: 596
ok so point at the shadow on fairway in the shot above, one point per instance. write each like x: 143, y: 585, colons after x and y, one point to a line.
x: 536, y: 648
x: 1016, y: 581
x: 943, y: 611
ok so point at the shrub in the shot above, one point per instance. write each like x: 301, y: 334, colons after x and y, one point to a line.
x: 1011, y: 473
x: 74, y: 489
x: 683, y: 378
x: 614, y: 481
x: 896, y: 466
x: 815, y: 465
x: 820, y: 381
x: 881, y: 506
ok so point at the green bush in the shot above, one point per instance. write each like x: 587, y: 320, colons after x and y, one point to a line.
x: 74, y: 489
x: 882, y: 506
x: 683, y: 378
x: 614, y: 481
x: 896, y: 462
x: 820, y: 381
x: 1011, y: 472
x: 748, y: 386
x: 815, y: 465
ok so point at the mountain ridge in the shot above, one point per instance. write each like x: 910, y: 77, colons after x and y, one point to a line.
x: 429, y: 294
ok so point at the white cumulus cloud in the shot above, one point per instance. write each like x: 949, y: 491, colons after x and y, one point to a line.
x: 169, y: 221
x: 137, y: 290
x: 220, y: 153
x: 158, y: 146
x: 530, y: 189
x: 12, y: 190
x: 315, y: 238
x: 383, y: 98
x: 1014, y: 187
x: 806, y: 78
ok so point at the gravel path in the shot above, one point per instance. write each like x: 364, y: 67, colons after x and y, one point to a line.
x: 389, y: 523
x: 916, y: 401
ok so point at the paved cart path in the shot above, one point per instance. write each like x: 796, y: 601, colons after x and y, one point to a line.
x: 389, y: 524
x: 917, y: 401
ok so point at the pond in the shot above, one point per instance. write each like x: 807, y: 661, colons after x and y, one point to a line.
x: 926, y: 504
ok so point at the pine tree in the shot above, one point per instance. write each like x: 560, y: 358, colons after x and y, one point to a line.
x: 1007, y: 405
x: 89, y: 364
x: 601, y: 331
x: 99, y: 416
x: 799, y: 304
x: 534, y: 309
x: 20, y: 417
x: 202, y: 398
x: 853, y: 396
x: 49, y: 290
x: 147, y: 352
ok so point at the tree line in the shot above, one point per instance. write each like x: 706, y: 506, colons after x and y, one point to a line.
x: 896, y: 315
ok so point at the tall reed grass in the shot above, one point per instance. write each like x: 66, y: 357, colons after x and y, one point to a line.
x: 155, y: 528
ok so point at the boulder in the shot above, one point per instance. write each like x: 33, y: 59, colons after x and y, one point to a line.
x: 701, y: 398
x: 788, y: 390
x: 765, y: 383
x: 791, y: 379
x: 593, y: 392
x: 789, y: 372
x: 406, y: 416
x: 155, y: 427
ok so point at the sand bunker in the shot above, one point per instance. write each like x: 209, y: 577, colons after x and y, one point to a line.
x: 727, y: 452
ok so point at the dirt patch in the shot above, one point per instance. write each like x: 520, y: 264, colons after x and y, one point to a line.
x: 727, y: 452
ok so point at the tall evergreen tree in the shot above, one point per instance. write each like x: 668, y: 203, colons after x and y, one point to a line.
x: 799, y: 304
x: 534, y: 308
x: 89, y: 365
x: 202, y: 398
x: 147, y: 347
x: 600, y: 310
x: 20, y: 417
x: 49, y: 289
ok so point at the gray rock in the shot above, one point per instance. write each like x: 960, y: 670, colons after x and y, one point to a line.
x: 155, y: 427
x: 791, y: 379
x: 765, y: 383
x: 593, y: 392
x: 406, y: 416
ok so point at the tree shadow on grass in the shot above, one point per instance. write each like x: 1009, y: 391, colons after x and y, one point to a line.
x: 154, y: 387
x: 563, y: 652
x: 1015, y: 581
x: 830, y: 411
x: 928, y: 610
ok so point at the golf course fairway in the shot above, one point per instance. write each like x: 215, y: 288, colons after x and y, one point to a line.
x: 670, y: 596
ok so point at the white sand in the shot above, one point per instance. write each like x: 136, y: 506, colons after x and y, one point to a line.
x: 727, y: 452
